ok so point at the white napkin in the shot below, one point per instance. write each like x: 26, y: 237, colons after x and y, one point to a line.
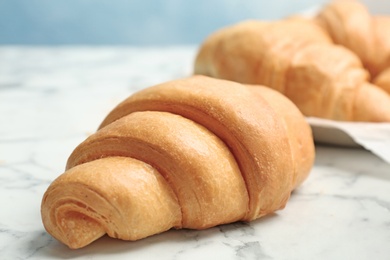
x: 374, y: 137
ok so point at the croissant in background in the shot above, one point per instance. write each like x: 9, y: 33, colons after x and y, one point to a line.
x: 182, y: 154
x: 350, y: 24
x: 298, y: 57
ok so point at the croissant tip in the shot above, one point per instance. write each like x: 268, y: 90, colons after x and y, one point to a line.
x: 78, y: 230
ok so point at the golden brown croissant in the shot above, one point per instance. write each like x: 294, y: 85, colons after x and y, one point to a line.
x: 296, y: 57
x: 183, y: 154
x: 350, y: 24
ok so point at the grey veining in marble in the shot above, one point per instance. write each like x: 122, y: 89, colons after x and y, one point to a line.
x: 53, y: 98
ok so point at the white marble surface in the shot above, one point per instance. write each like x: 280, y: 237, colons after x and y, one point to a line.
x: 53, y: 98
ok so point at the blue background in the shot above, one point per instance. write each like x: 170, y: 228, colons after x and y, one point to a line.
x: 135, y: 22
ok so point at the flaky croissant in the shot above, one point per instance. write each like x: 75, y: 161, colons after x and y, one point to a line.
x: 349, y: 23
x: 296, y: 57
x: 183, y: 154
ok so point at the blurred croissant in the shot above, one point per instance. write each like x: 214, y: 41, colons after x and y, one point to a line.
x: 182, y: 154
x: 350, y: 24
x: 297, y: 57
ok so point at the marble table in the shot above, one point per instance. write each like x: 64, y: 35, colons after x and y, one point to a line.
x: 52, y: 98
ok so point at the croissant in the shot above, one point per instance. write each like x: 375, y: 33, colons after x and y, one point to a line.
x: 296, y: 57
x: 350, y: 24
x: 182, y: 154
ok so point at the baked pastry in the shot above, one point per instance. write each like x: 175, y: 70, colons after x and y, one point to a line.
x: 296, y: 57
x: 350, y: 24
x: 182, y: 154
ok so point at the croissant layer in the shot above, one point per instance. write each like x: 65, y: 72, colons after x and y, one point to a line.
x: 119, y: 196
